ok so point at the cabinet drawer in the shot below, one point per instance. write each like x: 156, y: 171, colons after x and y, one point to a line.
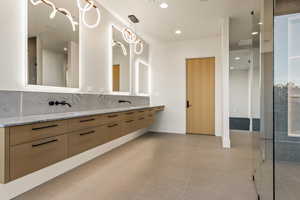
x: 145, y: 121
x: 30, y: 157
x: 160, y: 108
x: 111, y: 118
x: 28, y: 133
x: 130, y: 126
x: 114, y: 130
x: 85, y: 122
x: 86, y: 139
x: 129, y: 115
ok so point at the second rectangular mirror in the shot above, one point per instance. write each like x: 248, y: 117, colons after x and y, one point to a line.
x: 143, y: 78
x: 121, y: 62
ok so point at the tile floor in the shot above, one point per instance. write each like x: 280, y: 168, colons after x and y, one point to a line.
x: 160, y: 167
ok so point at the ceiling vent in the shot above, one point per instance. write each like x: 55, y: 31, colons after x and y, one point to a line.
x: 133, y: 19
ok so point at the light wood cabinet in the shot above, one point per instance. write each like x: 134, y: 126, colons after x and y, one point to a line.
x: 28, y: 133
x: 29, y: 157
x: 85, y: 122
x: 80, y: 141
x: 28, y: 148
x: 114, y: 130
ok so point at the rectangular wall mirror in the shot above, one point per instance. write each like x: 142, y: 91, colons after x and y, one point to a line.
x: 53, y: 46
x: 143, y: 78
x: 121, y: 62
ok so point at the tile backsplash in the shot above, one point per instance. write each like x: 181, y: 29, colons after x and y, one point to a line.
x: 14, y: 103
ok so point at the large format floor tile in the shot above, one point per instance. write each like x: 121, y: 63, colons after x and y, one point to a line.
x: 159, y: 167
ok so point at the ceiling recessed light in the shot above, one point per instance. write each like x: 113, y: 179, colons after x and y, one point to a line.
x: 237, y: 58
x: 254, y: 33
x: 65, y: 49
x: 260, y: 23
x: 178, y: 32
x: 164, y: 5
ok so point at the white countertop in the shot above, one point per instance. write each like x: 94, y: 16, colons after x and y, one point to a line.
x: 24, y: 120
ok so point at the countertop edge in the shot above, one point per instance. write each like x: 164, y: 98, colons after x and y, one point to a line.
x: 31, y: 119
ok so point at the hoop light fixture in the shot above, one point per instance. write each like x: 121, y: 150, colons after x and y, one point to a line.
x: 138, y: 47
x: 86, y: 8
x: 131, y: 38
x: 120, y: 44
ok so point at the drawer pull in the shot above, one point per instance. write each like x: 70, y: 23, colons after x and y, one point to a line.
x: 44, y: 143
x: 111, y: 126
x: 87, y: 120
x: 44, y: 127
x: 129, y: 121
x: 87, y: 133
x: 142, y: 118
x: 112, y: 116
x: 130, y: 113
x: 141, y: 111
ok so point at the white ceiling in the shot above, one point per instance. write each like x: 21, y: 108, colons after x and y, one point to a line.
x: 196, y: 18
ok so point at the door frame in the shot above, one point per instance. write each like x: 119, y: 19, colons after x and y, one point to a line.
x: 186, y: 94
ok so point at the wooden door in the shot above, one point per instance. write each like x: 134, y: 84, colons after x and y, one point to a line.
x: 116, y: 78
x: 201, y: 96
x: 32, y: 61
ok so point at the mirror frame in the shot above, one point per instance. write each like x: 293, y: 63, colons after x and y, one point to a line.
x: 110, y: 41
x: 137, y: 86
x: 46, y: 88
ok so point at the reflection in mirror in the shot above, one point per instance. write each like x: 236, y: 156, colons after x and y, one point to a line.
x: 121, y: 62
x: 143, y: 78
x: 53, y: 46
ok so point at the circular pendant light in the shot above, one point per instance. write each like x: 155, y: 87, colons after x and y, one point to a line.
x: 84, y: 17
x: 138, y: 47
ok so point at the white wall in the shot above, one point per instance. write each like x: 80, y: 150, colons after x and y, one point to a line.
x: 239, y: 98
x: 245, y: 87
x: 54, y: 65
x: 73, y: 65
x: 168, y: 62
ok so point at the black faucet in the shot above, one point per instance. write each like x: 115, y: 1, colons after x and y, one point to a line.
x: 63, y: 103
x: 124, y: 101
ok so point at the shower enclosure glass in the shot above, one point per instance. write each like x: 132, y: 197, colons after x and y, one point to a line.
x: 287, y: 100
x: 277, y: 142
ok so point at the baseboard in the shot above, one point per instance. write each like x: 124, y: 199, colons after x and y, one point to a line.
x: 24, y: 184
x: 239, y: 131
x: 167, y: 131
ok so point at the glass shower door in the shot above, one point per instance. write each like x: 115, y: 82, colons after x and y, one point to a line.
x: 287, y: 102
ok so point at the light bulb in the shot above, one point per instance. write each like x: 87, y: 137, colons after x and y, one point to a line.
x: 164, y: 5
x: 97, y: 21
x: 87, y: 7
x: 178, y: 32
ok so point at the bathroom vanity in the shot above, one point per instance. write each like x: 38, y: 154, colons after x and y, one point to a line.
x: 30, y: 143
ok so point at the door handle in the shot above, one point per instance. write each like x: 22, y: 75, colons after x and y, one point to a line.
x: 188, y: 105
